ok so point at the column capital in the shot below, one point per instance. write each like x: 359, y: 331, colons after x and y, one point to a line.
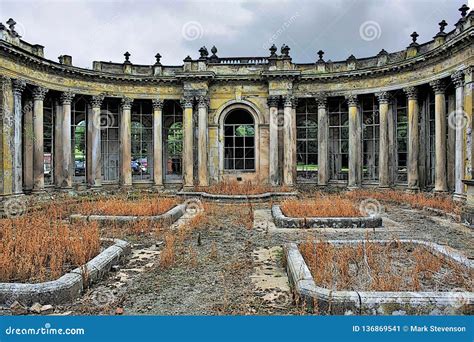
x: 66, y: 97
x: 39, y: 93
x: 157, y: 103
x: 411, y: 92
x: 322, y: 100
x: 384, y: 97
x: 289, y: 101
x: 458, y: 78
x: 439, y: 86
x: 203, y: 101
x: 97, y: 100
x: 352, y: 100
x: 127, y: 102
x: 273, y: 100
x: 18, y: 86
x: 187, y: 101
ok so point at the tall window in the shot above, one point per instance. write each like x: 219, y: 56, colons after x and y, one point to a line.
x: 239, y: 141
x: 142, y: 140
x: 79, y: 139
x: 173, y: 139
x: 371, y: 136
x: 109, y: 140
x: 338, y: 139
x: 48, y: 140
x: 307, y: 139
x: 402, y: 138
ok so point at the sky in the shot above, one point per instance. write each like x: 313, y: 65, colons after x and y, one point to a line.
x: 104, y: 30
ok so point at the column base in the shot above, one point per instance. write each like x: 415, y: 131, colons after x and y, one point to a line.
x: 413, y: 189
x: 459, y: 197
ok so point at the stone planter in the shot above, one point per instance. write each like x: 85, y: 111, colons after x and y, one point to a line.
x: 69, y: 286
x: 283, y: 221
x: 170, y: 216
x: 376, y: 302
x: 237, y: 198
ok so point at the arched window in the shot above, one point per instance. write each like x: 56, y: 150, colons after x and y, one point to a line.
x: 239, y: 141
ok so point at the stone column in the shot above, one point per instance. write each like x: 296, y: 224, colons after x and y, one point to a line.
x: 355, y: 142
x: 94, y: 177
x: 441, y: 184
x: 58, y: 147
x: 469, y: 109
x: 384, y: 151
x: 28, y: 146
x: 289, y: 141
x: 17, y: 167
x: 413, y: 138
x: 188, y: 179
x: 458, y: 119
x: 38, y: 151
x: 323, y: 136
x: 125, y: 142
x: 273, y: 141
x: 203, y: 105
x: 158, y: 142
x: 67, y: 158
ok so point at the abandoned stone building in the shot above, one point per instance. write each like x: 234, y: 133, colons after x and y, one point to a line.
x: 399, y: 119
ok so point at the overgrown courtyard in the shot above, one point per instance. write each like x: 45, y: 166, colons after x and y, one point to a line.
x: 218, y: 258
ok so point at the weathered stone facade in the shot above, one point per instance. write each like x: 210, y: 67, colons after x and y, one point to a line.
x: 399, y: 119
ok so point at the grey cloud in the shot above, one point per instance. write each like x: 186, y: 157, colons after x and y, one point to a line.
x: 104, y: 30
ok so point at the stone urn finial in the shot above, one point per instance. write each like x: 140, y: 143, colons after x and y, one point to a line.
x: 321, y: 54
x: 273, y: 50
x: 463, y: 9
x: 442, y: 25
x: 285, y: 50
x: 127, y: 57
x: 203, y: 52
x: 158, y: 59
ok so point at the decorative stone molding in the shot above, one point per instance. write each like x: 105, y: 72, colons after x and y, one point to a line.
x: 273, y: 101
x: 352, y: 100
x: 384, y: 97
x: 157, y: 103
x: 187, y: 102
x: 203, y: 101
x: 458, y: 78
x: 97, y: 100
x: 411, y: 92
x: 18, y: 86
x: 39, y: 93
x: 438, y: 86
x: 127, y: 103
x: 289, y: 101
x: 321, y: 99
x: 66, y: 97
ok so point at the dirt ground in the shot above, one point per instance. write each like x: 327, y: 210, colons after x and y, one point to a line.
x: 230, y: 264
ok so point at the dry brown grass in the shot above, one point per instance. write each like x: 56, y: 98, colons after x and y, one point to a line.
x: 36, y: 247
x: 322, y: 206
x: 138, y: 207
x: 240, y: 188
x: 416, y: 200
x: 377, y: 267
